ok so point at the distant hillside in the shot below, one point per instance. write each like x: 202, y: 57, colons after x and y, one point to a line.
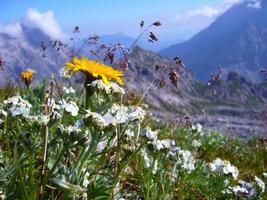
x: 236, y: 41
x: 234, y: 105
x: 18, y: 51
x: 127, y: 41
x: 238, y: 103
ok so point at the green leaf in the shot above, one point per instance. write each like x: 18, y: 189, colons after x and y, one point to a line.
x: 65, y: 185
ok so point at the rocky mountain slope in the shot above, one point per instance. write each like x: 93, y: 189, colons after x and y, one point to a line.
x: 237, y: 107
x: 18, y: 51
x: 235, y: 41
x: 234, y: 105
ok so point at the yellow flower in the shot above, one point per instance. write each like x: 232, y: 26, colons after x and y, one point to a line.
x: 26, y: 76
x: 94, y: 69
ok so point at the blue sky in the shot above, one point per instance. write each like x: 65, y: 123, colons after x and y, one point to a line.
x: 181, y: 19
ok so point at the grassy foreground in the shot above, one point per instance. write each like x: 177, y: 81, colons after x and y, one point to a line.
x: 56, y: 143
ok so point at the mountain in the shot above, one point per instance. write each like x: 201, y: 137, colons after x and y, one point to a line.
x: 235, y: 41
x: 18, y: 51
x: 237, y: 107
x: 127, y: 41
x: 234, y: 105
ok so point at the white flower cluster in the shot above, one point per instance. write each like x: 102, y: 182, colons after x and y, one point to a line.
x: 198, y: 127
x: 3, y: 112
x: 98, y: 119
x: 40, y: 119
x: 70, y: 129
x: 117, y: 115
x: 18, y: 106
x: 185, y: 158
x: 158, y: 145
x: 196, y: 143
x: 123, y: 114
x: 69, y: 90
x: 71, y: 107
x: 219, y: 166
x: 246, y: 188
x: 101, y: 146
x: 108, y: 88
x: 149, y: 134
x: 260, y: 184
x: 64, y: 73
x: 149, y: 162
x: 55, y: 108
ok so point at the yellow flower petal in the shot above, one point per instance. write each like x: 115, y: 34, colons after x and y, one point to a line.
x: 95, y: 69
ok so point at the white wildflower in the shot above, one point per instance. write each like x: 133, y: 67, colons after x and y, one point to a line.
x: 149, y: 134
x: 189, y: 161
x: 129, y: 133
x: 237, y: 189
x: 2, y: 196
x: 43, y: 119
x: 119, y: 113
x: 3, y: 112
x: 186, y: 160
x: 264, y: 174
x: 71, y: 107
x: 53, y: 105
x: 260, y: 183
x: 198, y: 127
x: 101, y: 146
x: 216, y: 166
x: 230, y: 169
x: 136, y: 114
x: 158, y: 145
x: 226, y: 182
x: 248, y: 186
x: 86, y: 181
x: 72, y: 129
x: 196, y: 143
x: 146, y: 159
x: 122, y: 114
x: 19, y: 106
x: 69, y: 90
x: 224, y: 166
x: 64, y: 73
x: 39, y: 119
x: 162, y: 144
x: 108, y: 88
x: 97, y: 119
x: 155, y: 167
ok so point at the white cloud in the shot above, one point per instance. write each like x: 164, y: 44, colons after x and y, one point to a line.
x: 205, y: 11
x: 45, y: 21
x: 14, y: 29
x: 208, y: 12
x: 255, y: 4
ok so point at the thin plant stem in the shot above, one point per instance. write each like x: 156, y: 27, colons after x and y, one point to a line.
x: 146, y: 91
x: 30, y: 61
x: 199, y: 196
x: 140, y: 35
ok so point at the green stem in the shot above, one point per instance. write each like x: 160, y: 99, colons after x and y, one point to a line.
x: 123, y: 166
x: 88, y: 90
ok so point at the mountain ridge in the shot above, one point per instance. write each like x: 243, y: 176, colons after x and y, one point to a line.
x: 191, y: 97
x: 235, y: 41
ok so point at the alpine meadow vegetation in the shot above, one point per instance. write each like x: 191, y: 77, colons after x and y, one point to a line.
x: 76, y: 136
